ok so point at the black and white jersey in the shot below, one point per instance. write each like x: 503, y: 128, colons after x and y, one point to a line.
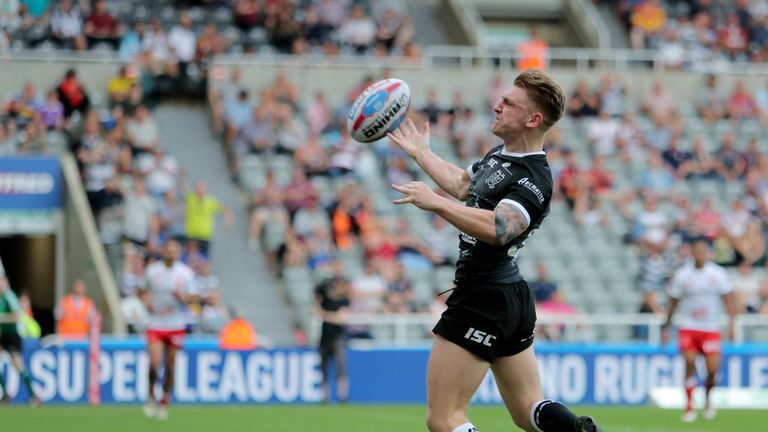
x: 523, y: 180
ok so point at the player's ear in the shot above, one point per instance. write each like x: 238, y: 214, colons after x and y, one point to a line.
x: 535, y: 120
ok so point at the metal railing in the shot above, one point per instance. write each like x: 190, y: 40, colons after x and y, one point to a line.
x: 411, y: 329
x: 465, y: 57
x: 582, y: 59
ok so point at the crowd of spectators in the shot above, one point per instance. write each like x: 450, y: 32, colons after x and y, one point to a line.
x: 672, y: 156
x: 313, y: 209
x: 304, y: 146
x: 311, y: 206
x: 179, y: 39
x: 700, y: 30
x: 136, y: 190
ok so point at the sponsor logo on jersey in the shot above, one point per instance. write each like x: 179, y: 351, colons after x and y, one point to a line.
x: 492, y: 163
x: 524, y: 182
x: 469, y: 239
x: 494, y: 179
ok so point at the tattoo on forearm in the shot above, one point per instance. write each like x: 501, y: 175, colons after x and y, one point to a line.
x: 510, y: 223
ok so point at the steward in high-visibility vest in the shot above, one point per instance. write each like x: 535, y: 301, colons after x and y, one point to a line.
x: 237, y: 334
x: 74, y: 313
x: 533, y: 53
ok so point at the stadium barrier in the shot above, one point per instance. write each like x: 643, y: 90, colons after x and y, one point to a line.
x: 623, y: 374
x: 405, y: 329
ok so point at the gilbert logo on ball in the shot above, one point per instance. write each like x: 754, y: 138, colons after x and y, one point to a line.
x: 379, y: 110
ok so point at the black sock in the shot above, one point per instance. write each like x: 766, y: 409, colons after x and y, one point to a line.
x: 550, y: 416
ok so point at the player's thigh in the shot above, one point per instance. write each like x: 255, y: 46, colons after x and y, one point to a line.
x: 155, y: 350
x: 712, y: 360
x: 517, y: 378
x: 170, y: 356
x: 690, y: 358
x: 453, y: 376
x: 17, y: 360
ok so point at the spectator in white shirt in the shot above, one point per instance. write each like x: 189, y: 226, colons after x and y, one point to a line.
x: 139, y: 221
x: 358, y: 31
x: 671, y: 49
x: 746, y: 287
x: 155, y: 44
x: 160, y: 171
x: 602, y: 133
x: 10, y: 19
x: 143, y: 131
x: 66, y: 24
x: 332, y: 12
x: 183, y: 42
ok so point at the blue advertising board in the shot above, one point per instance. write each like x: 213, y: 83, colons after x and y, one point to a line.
x: 28, y: 183
x: 583, y: 374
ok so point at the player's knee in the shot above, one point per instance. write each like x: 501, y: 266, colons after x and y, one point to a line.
x: 522, y: 420
x: 438, y: 423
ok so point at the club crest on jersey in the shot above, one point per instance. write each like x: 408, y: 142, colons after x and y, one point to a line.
x: 494, y: 179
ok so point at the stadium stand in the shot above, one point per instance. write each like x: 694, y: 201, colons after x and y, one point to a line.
x: 734, y: 31
x: 632, y: 171
x: 608, y: 159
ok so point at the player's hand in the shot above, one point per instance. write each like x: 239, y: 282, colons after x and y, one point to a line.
x: 664, y: 335
x: 418, y: 194
x: 410, y: 139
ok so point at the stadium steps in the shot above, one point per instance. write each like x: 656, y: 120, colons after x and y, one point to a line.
x: 429, y: 25
x: 245, y: 280
x: 619, y: 35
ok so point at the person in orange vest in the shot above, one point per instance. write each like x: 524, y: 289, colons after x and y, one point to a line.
x: 237, y: 334
x: 533, y: 52
x: 74, y: 313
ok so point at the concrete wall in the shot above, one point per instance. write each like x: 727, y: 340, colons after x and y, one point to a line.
x: 84, y: 256
x: 336, y: 80
x: 46, y: 73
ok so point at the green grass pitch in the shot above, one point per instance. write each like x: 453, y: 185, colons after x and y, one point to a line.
x: 335, y: 418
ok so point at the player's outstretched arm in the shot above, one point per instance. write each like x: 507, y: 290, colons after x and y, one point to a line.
x: 730, y: 308
x: 415, y: 144
x: 673, y: 301
x: 498, y: 227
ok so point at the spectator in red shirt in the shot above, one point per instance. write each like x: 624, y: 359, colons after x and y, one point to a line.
x: 299, y: 192
x: 248, y: 14
x: 741, y: 104
x: 571, y: 180
x: 72, y: 95
x: 733, y: 38
x: 706, y: 220
x: 600, y: 179
x: 102, y: 27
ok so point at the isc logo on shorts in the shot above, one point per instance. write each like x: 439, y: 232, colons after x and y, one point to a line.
x: 479, y: 336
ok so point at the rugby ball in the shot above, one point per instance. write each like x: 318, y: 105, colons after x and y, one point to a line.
x: 378, y: 110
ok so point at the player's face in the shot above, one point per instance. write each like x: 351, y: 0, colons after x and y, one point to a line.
x: 513, y: 112
x: 171, y: 252
x: 700, y: 252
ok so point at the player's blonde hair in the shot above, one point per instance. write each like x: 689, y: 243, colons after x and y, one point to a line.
x: 545, y: 93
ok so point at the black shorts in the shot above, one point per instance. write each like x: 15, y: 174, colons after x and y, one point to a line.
x: 10, y: 342
x: 489, y: 321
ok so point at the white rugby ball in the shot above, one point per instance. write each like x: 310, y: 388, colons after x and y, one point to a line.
x: 378, y: 110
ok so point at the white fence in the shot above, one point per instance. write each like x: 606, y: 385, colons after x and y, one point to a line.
x: 410, y: 329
